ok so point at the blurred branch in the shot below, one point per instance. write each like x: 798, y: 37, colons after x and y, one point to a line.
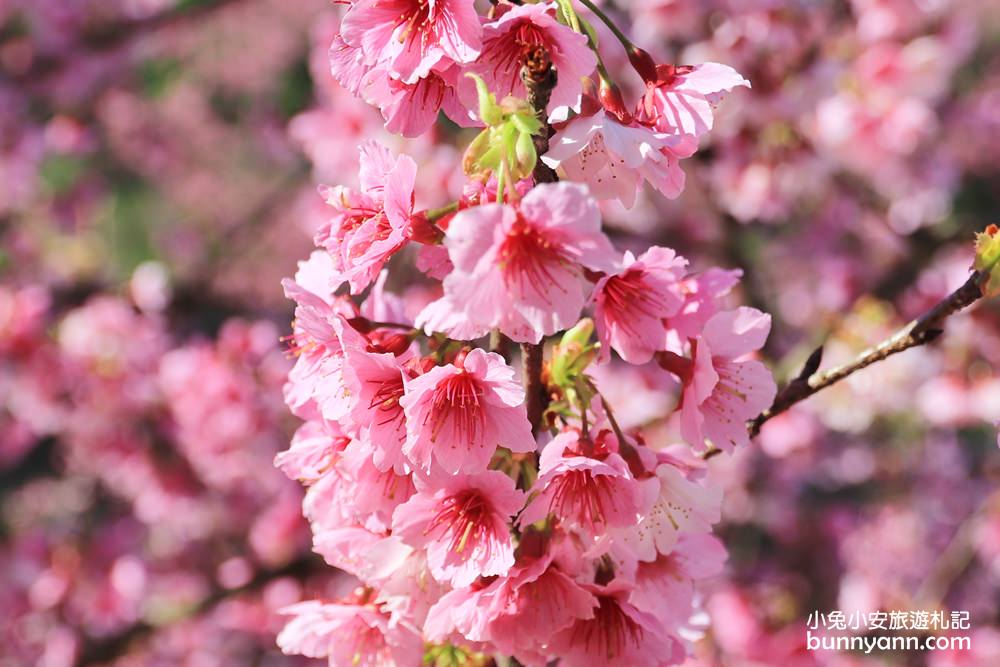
x: 113, y: 35
x: 105, y: 650
x: 920, y: 331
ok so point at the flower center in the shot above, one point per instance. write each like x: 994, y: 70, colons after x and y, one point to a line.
x: 506, y: 52
x: 457, y: 401
x: 465, y: 516
x: 528, y: 258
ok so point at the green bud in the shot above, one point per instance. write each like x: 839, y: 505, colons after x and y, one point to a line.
x: 988, y: 258
x: 507, y: 139
x: 572, y: 355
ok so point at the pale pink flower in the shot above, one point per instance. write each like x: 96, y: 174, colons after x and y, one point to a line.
x: 521, y: 269
x: 723, y: 389
x: 702, y: 294
x: 410, y: 37
x: 630, y: 305
x: 681, y: 99
x: 677, y: 505
x: 348, y: 635
x: 505, y: 43
x: 457, y: 414
x: 463, y: 523
x: 370, y: 224
x: 666, y: 587
x: 583, y: 486
x: 313, y: 451
x: 618, y: 635
x: 614, y: 157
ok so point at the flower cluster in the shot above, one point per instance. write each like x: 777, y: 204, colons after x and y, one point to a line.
x: 482, y: 516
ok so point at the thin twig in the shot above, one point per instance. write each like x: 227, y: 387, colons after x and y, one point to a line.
x: 920, y: 331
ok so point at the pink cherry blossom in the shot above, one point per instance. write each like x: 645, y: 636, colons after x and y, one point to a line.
x: 630, y: 306
x: 463, y: 523
x: 370, y: 224
x: 681, y: 99
x: 677, y: 505
x: 410, y: 109
x: 618, y: 635
x: 517, y: 613
x: 458, y: 414
x: 348, y: 635
x: 521, y: 269
x: 667, y: 587
x: 614, y: 157
x: 412, y: 36
x: 593, y: 493
x: 702, y: 294
x: 505, y: 42
x: 724, y: 389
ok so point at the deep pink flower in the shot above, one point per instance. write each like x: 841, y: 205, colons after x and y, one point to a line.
x: 630, y: 305
x: 618, y: 635
x: 723, y: 390
x: 593, y: 494
x: 517, y: 613
x: 505, y: 43
x: 463, y: 523
x: 681, y: 99
x: 410, y: 37
x: 457, y: 415
x: 410, y: 109
x: 370, y: 224
x: 521, y: 269
x: 377, y: 380
x: 348, y: 635
x: 614, y: 157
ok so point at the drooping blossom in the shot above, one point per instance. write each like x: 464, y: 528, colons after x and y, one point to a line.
x: 614, y: 156
x: 618, y: 635
x: 584, y: 484
x: 410, y: 109
x: 508, y: 39
x: 667, y: 586
x: 681, y: 99
x: 458, y: 414
x: 724, y: 389
x: 369, y: 224
x: 630, y: 306
x: 463, y: 523
x: 520, y: 269
x: 348, y: 635
x: 517, y: 613
x: 410, y: 37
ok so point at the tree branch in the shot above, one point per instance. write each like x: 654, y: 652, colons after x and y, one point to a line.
x: 539, y: 77
x: 920, y: 331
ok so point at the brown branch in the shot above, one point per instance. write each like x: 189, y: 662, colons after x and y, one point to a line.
x: 920, y: 331
x: 539, y: 77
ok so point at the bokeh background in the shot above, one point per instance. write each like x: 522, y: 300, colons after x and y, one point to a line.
x: 158, y: 163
